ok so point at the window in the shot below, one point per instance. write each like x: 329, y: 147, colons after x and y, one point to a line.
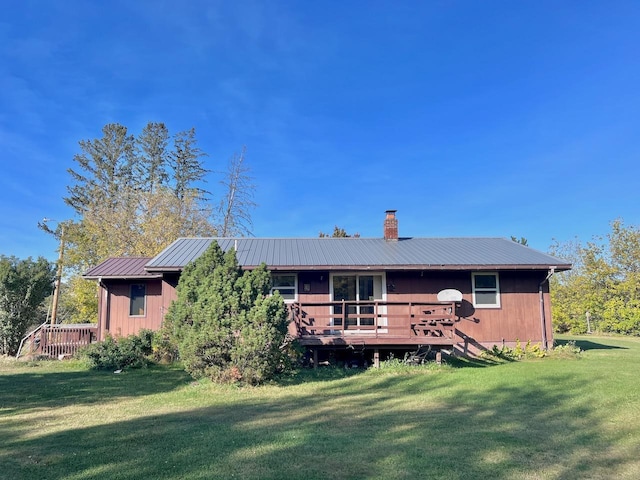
x: 486, y: 290
x: 286, y: 284
x: 137, y: 300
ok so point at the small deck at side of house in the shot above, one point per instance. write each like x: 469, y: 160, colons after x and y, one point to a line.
x: 375, y: 323
x: 57, y: 341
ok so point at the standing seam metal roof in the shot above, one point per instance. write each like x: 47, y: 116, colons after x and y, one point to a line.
x: 362, y: 252
x: 131, y: 267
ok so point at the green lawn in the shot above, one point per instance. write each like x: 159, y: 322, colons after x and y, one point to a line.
x: 550, y: 418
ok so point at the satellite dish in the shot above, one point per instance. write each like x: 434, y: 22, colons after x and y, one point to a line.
x: 450, y: 295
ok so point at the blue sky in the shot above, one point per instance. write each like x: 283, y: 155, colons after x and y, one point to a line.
x: 491, y: 118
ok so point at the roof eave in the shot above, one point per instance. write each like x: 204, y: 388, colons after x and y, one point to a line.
x: 557, y: 268
x: 163, y: 269
x: 121, y: 277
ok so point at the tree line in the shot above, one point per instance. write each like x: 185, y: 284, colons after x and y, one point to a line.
x: 602, y: 291
x: 24, y: 284
x: 132, y: 195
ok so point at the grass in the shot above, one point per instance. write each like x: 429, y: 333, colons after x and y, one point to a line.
x: 541, y: 419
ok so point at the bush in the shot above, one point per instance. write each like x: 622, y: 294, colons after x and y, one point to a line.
x: 162, y: 348
x: 567, y: 350
x: 24, y: 284
x: 396, y: 365
x: 146, y: 340
x: 517, y: 353
x: 112, y: 354
x: 224, y: 324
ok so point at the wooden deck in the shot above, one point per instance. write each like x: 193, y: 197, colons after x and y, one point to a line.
x: 375, y: 323
x: 57, y: 341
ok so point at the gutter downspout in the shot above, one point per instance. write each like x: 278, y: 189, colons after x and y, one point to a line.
x: 543, y: 319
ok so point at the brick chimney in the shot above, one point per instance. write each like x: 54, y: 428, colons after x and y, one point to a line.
x: 391, y: 226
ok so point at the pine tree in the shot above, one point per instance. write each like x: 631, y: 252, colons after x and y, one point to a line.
x: 186, y: 167
x: 106, y: 170
x: 224, y: 324
x: 153, y: 156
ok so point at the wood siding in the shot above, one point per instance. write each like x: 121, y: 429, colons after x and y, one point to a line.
x: 518, y: 318
x: 114, y: 307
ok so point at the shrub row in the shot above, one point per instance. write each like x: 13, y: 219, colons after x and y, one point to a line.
x: 114, y: 354
x: 529, y: 351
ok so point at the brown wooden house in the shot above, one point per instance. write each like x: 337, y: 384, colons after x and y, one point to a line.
x: 366, y: 293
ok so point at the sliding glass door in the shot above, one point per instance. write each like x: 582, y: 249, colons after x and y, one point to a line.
x: 356, y: 288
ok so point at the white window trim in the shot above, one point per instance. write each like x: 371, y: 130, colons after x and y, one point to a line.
x: 358, y: 274
x: 496, y: 290
x: 295, y: 287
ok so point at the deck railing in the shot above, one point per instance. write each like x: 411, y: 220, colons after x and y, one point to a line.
x: 416, y: 322
x: 57, y: 341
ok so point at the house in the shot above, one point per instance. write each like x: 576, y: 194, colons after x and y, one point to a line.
x: 377, y: 294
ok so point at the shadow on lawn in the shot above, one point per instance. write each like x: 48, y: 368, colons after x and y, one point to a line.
x: 329, y: 373
x: 471, y: 362
x: 590, y: 345
x: 365, y: 427
x: 23, y: 391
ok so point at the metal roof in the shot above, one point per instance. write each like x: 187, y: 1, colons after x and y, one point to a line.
x: 120, y: 267
x: 363, y: 253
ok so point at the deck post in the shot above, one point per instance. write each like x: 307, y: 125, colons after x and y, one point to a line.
x: 315, y: 358
x: 439, y: 357
x: 376, y: 358
x: 375, y: 317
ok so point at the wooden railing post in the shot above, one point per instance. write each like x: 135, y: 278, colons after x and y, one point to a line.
x: 375, y: 317
x: 410, y: 319
x: 58, y: 340
x: 408, y: 322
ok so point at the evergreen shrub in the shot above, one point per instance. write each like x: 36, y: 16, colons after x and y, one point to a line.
x: 224, y: 324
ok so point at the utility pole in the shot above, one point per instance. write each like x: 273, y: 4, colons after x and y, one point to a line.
x: 58, y: 280
x: 56, y: 288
